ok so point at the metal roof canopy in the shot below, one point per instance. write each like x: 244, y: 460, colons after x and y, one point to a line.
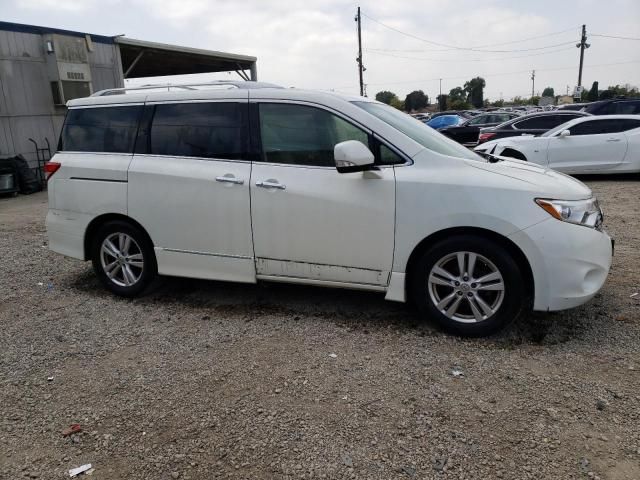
x: 150, y: 59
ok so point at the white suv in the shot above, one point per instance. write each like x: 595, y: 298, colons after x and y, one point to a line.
x: 263, y: 183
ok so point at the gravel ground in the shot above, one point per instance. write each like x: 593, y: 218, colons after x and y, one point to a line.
x: 203, y: 380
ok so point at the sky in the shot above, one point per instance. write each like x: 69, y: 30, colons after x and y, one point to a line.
x: 407, y: 45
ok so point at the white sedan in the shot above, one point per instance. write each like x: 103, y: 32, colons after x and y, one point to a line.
x: 594, y: 144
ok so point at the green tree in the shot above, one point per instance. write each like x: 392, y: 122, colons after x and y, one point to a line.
x: 593, y: 93
x: 397, y: 103
x: 442, y: 102
x: 498, y: 103
x: 475, y: 90
x: 416, y: 100
x: 386, y: 96
x: 457, y: 99
x: 548, y: 92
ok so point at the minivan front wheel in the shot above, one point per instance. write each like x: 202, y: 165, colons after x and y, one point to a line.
x: 468, y: 285
x: 123, y: 259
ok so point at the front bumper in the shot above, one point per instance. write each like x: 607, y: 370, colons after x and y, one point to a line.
x: 570, y: 263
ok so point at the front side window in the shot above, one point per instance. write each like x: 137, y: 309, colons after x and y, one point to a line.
x: 100, y: 129
x: 596, y: 127
x: 480, y: 120
x: 206, y: 130
x: 627, y: 108
x: 302, y: 135
x: 544, y: 122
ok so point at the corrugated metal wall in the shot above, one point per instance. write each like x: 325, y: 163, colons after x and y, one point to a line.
x: 26, y: 103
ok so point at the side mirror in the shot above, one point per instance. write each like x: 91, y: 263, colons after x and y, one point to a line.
x: 564, y: 133
x: 353, y: 156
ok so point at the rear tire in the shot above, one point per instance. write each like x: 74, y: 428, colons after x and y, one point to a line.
x: 123, y: 258
x: 469, y: 285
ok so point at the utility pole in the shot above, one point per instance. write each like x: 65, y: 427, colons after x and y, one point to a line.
x: 359, y: 59
x: 582, y: 45
x: 439, y: 103
x: 533, y: 82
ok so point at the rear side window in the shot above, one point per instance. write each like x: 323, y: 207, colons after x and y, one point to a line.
x: 629, y: 124
x: 627, y: 108
x: 207, y: 130
x: 302, y: 135
x: 100, y: 129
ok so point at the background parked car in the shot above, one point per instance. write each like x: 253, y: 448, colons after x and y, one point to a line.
x: 532, y: 124
x: 467, y: 132
x: 462, y: 113
x: 615, y: 106
x: 444, y: 121
x: 593, y: 144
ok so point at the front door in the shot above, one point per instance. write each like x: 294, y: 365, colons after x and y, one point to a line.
x: 190, y: 188
x: 309, y: 221
x: 592, y: 145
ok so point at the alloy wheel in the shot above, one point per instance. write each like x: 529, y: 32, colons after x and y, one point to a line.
x: 121, y: 259
x: 466, y: 287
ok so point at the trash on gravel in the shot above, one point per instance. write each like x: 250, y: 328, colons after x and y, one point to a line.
x: 49, y: 379
x: 634, y: 295
x: 73, y: 428
x: 457, y: 372
x: 40, y: 284
x: 333, y: 355
x: 81, y: 469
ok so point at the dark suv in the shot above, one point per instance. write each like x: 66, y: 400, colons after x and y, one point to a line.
x: 533, y: 124
x: 614, y: 106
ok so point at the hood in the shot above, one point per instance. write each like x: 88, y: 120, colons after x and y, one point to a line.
x: 543, y: 181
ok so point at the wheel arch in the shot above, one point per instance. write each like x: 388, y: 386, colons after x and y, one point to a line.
x: 96, y: 223
x: 515, y: 251
x: 512, y: 152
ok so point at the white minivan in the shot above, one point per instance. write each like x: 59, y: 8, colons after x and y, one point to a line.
x: 256, y: 182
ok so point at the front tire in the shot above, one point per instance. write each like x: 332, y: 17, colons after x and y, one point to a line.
x: 123, y: 258
x: 469, y: 285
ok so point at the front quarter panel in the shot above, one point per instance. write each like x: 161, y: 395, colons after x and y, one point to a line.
x: 438, y: 193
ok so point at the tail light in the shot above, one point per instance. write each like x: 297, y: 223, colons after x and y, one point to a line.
x: 50, y: 168
x: 485, y: 137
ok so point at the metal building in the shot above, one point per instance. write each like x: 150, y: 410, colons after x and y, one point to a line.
x: 42, y: 68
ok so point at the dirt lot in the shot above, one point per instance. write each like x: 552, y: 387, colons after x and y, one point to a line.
x: 206, y: 380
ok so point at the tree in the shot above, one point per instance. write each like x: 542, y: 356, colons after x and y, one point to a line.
x: 397, y: 103
x: 474, y: 89
x: 593, y: 93
x: 548, y: 92
x: 457, y: 99
x: 416, y: 100
x: 386, y: 96
x: 442, y: 102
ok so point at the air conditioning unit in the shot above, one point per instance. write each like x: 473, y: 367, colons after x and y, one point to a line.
x: 68, y: 67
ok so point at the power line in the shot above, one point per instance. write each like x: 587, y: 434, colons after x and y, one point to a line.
x: 439, y: 60
x: 614, y: 36
x: 454, y: 47
x: 500, y: 74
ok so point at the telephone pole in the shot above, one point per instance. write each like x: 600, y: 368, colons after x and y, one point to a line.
x: 439, y: 97
x: 582, y: 45
x: 359, y: 59
x: 533, y: 82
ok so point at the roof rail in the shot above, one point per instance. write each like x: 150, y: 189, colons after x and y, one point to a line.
x: 241, y: 84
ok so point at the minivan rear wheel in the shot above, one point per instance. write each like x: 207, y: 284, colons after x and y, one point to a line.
x: 469, y: 285
x: 123, y: 258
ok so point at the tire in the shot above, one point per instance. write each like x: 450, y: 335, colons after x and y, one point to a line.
x: 129, y: 253
x: 483, y: 306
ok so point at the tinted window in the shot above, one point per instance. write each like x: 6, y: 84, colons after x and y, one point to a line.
x: 301, y: 135
x: 480, y: 119
x: 628, y: 124
x: 389, y: 157
x: 209, y: 130
x: 544, y: 122
x: 595, y: 127
x: 100, y: 129
x: 627, y: 107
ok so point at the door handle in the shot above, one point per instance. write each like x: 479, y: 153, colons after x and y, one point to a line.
x: 271, y: 184
x: 613, y: 139
x: 234, y: 180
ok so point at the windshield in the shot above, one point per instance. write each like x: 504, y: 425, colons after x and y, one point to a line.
x: 417, y: 131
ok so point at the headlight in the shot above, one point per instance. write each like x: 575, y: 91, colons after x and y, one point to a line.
x: 580, y: 212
